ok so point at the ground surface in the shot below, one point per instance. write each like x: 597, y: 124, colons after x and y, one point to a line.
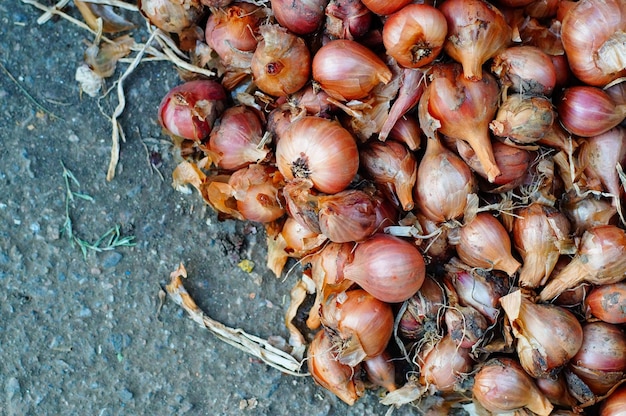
x: 86, y: 336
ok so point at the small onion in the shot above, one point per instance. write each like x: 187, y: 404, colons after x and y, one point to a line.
x: 171, y: 16
x: 523, y: 119
x: 607, y: 303
x: 421, y: 315
x: 477, y: 31
x: 389, y: 268
x: 484, y: 243
x: 320, y: 150
x: 381, y: 371
x: 589, y: 111
x: 346, y: 216
x: 359, y: 323
x: 347, y: 70
x: 548, y: 336
x: 385, y: 7
x: 615, y: 404
x: 190, y: 109
x: 347, y: 19
x: 301, y: 17
x: 601, y: 259
x: 443, y: 183
x: 601, y: 360
x: 445, y: 364
x: 232, y: 29
x: 281, y: 63
x: 414, y: 35
x: 502, y: 385
x: 331, y: 374
x: 594, y: 36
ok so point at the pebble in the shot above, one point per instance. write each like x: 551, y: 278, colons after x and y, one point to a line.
x: 126, y: 395
x: 111, y: 260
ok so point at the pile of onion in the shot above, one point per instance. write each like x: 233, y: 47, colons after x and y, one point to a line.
x: 450, y: 174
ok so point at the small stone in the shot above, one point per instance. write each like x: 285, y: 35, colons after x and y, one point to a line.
x: 111, y: 260
x: 126, y: 395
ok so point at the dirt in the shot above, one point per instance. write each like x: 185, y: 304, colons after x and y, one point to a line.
x: 88, y: 334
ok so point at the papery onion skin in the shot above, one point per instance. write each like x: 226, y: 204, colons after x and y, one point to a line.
x: 548, y: 336
x: 421, y: 316
x: 171, y: 16
x: 607, y: 303
x: 190, y: 109
x: 389, y: 268
x: 601, y: 259
x: 359, y: 322
x: 594, y: 39
x: 523, y: 119
x: 601, y: 360
x: 477, y: 31
x: 414, y: 35
x: 321, y: 150
x: 589, y: 111
x: 485, y: 243
x: 281, y: 63
x: 501, y: 385
x: 329, y: 373
x: 347, y: 70
x: 443, y: 183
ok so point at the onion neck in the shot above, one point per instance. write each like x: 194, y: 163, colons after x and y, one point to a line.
x: 611, y: 57
x: 536, y: 268
x: 507, y: 264
x: 572, y: 275
x: 481, y: 144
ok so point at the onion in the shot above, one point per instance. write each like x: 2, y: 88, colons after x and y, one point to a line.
x: 281, y: 63
x: 589, y: 111
x: 484, y: 243
x: 601, y: 154
x: 389, y: 268
x: 359, y: 323
x: 257, y: 193
x: 548, y: 336
x: 237, y: 138
x: 299, y: 240
x: 462, y: 110
x: 479, y: 288
x: 381, y: 371
x: 346, y: 216
x: 233, y: 29
x: 555, y: 389
x: 607, y: 303
x: 601, y: 259
x: 541, y: 235
x: 523, y: 119
x: 594, y: 39
x: 385, y: 7
x: 415, y: 34
x: 615, y: 404
x: 465, y: 325
x: 421, y: 316
x: 541, y: 9
x: 587, y: 212
x: 301, y: 17
x: 190, y: 109
x: 445, y: 364
x: 477, y: 31
x: 347, y: 70
x: 525, y: 69
x: 601, y: 361
x: 318, y: 149
x: 513, y: 162
x: 347, y: 19
x: 411, y: 89
x: 501, y: 385
x: 443, y: 183
x: 329, y: 373
x: 171, y: 16
x: 392, y: 165
x: 406, y: 130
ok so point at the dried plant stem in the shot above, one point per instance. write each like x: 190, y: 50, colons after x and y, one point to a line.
x: 114, y: 3
x: 235, y: 337
x: 117, y: 130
